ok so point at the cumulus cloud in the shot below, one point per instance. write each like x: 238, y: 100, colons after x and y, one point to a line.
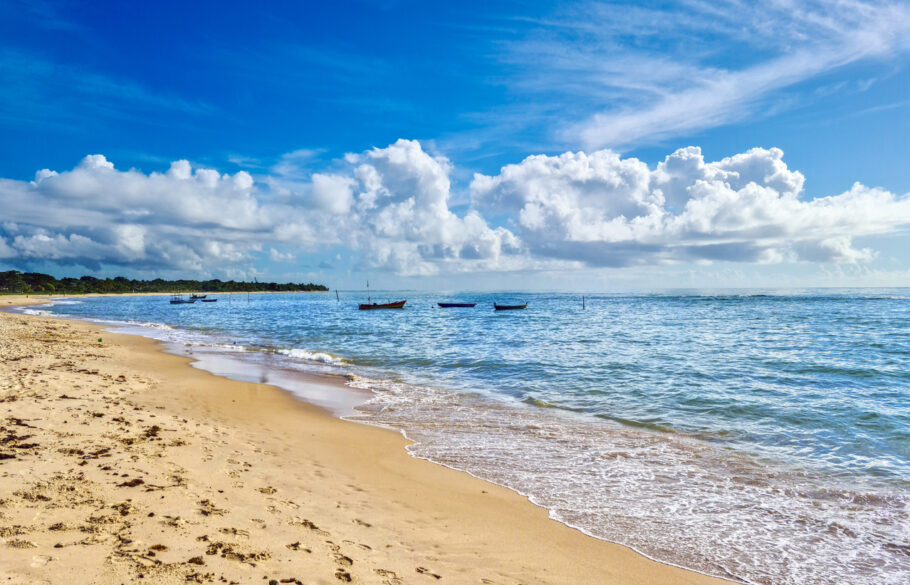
x: 391, y: 204
x: 185, y: 218
x: 5, y: 250
x: 609, y: 211
x: 333, y: 193
x: 391, y: 207
x: 397, y: 198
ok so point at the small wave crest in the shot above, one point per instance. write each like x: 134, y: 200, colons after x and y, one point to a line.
x: 311, y: 356
x: 64, y: 302
x: 150, y: 325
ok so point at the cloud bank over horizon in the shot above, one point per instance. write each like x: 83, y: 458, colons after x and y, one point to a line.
x: 395, y: 209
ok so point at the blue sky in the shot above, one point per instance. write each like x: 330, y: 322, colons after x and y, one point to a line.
x: 425, y: 97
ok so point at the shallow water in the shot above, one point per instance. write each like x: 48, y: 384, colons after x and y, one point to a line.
x: 762, y: 436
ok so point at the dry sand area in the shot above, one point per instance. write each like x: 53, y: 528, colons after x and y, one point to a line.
x: 121, y: 464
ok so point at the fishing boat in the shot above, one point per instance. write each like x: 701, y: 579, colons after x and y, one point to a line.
x: 179, y: 300
x: 455, y: 305
x: 499, y: 307
x: 197, y: 297
x: 209, y: 300
x: 371, y: 306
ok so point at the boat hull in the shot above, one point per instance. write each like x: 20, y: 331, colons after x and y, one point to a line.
x: 374, y: 306
x: 455, y: 305
x: 509, y: 307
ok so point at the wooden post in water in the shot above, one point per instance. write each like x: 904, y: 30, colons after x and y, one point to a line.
x: 337, y: 299
x: 582, y: 302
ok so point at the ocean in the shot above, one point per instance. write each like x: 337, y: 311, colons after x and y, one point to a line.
x: 761, y: 436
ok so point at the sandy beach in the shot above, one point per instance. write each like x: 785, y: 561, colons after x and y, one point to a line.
x: 120, y: 463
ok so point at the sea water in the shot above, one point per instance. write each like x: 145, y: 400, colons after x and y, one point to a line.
x: 761, y: 436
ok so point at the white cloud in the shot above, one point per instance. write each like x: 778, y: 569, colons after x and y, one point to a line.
x: 400, y: 217
x: 333, y: 193
x: 6, y: 251
x: 391, y: 206
x: 189, y: 219
x: 608, y: 211
x: 276, y: 256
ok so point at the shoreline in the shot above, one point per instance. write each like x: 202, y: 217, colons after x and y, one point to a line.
x: 38, y: 298
x: 420, y: 506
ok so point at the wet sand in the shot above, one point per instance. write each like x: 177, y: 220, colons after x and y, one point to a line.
x: 120, y: 463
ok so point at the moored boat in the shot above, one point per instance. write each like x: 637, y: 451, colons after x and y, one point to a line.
x: 197, y: 297
x: 179, y: 300
x: 371, y: 306
x: 498, y: 307
x: 209, y: 300
x: 454, y: 305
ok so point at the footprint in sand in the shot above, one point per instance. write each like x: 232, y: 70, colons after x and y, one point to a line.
x: 427, y: 572
x: 41, y: 560
x: 298, y: 546
x: 389, y: 577
x: 208, y: 508
x: 308, y: 525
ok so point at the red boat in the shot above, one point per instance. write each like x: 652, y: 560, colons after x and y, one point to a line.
x: 371, y: 306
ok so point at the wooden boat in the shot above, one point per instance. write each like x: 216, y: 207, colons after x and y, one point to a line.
x: 454, y: 305
x: 196, y: 297
x: 179, y: 300
x: 371, y: 306
x: 499, y: 307
x: 209, y: 300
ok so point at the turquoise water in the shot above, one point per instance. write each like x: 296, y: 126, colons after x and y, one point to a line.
x: 759, y: 436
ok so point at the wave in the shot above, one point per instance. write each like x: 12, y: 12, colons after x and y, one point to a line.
x: 311, y: 356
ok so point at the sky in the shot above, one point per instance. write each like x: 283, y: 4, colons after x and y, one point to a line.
x: 579, y: 146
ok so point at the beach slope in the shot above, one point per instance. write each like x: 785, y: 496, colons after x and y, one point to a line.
x: 122, y: 464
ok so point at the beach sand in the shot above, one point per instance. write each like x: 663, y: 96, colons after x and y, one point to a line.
x: 120, y: 463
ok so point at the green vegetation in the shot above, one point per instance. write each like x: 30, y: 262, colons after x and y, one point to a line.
x: 15, y: 282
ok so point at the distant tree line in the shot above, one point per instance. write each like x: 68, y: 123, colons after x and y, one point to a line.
x: 15, y: 282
